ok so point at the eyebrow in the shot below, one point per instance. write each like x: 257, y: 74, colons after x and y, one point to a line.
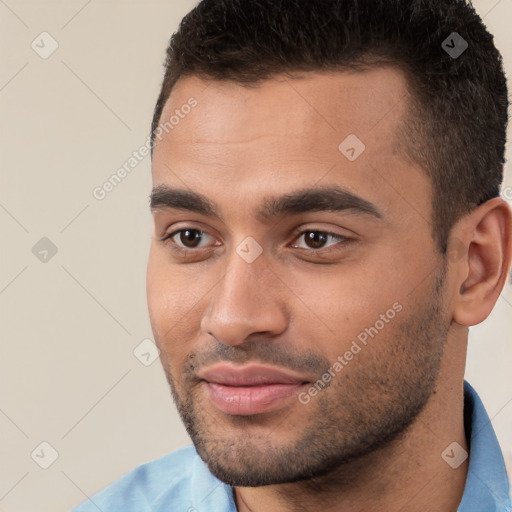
x: 316, y: 199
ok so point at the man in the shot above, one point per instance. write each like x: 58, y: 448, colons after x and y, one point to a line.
x: 327, y: 227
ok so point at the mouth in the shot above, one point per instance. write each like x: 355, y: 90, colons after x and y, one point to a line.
x: 249, y: 390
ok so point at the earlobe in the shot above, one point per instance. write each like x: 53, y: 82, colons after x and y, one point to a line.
x: 483, y: 269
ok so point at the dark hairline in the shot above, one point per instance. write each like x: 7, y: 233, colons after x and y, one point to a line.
x: 368, y: 61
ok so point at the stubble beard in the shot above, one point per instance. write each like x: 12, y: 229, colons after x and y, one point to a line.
x: 366, y: 407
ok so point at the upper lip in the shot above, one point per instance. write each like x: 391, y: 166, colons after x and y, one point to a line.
x: 249, y: 375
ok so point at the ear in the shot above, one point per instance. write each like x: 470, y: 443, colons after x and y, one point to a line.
x: 482, y: 266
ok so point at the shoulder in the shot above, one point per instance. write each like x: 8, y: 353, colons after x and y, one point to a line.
x: 141, y: 487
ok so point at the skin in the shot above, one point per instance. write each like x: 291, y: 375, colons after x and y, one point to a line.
x: 373, y: 438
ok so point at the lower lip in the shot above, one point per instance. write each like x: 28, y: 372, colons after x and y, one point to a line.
x: 247, y: 400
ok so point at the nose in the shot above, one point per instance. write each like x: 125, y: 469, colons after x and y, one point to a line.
x: 246, y: 301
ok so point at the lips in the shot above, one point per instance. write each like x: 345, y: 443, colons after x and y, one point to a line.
x: 251, y: 389
x: 252, y: 375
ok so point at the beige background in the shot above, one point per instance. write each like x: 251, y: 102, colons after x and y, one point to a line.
x: 69, y: 325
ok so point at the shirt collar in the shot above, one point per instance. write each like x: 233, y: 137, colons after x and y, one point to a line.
x: 487, y: 487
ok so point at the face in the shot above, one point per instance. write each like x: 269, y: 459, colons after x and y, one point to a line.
x: 293, y: 283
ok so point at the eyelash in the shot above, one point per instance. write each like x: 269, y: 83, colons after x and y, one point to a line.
x: 170, y: 236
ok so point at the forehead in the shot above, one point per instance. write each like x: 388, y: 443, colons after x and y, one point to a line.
x: 342, y: 102
x: 285, y: 133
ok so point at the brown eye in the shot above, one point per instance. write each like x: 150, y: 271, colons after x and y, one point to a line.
x: 190, y: 237
x: 186, y: 238
x: 316, y: 239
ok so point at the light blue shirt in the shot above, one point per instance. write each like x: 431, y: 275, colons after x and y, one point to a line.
x: 181, y: 482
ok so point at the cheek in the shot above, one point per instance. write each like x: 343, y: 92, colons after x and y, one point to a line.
x: 364, y: 304
x: 170, y: 289
x: 176, y: 296
x: 166, y: 297
x: 344, y: 299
